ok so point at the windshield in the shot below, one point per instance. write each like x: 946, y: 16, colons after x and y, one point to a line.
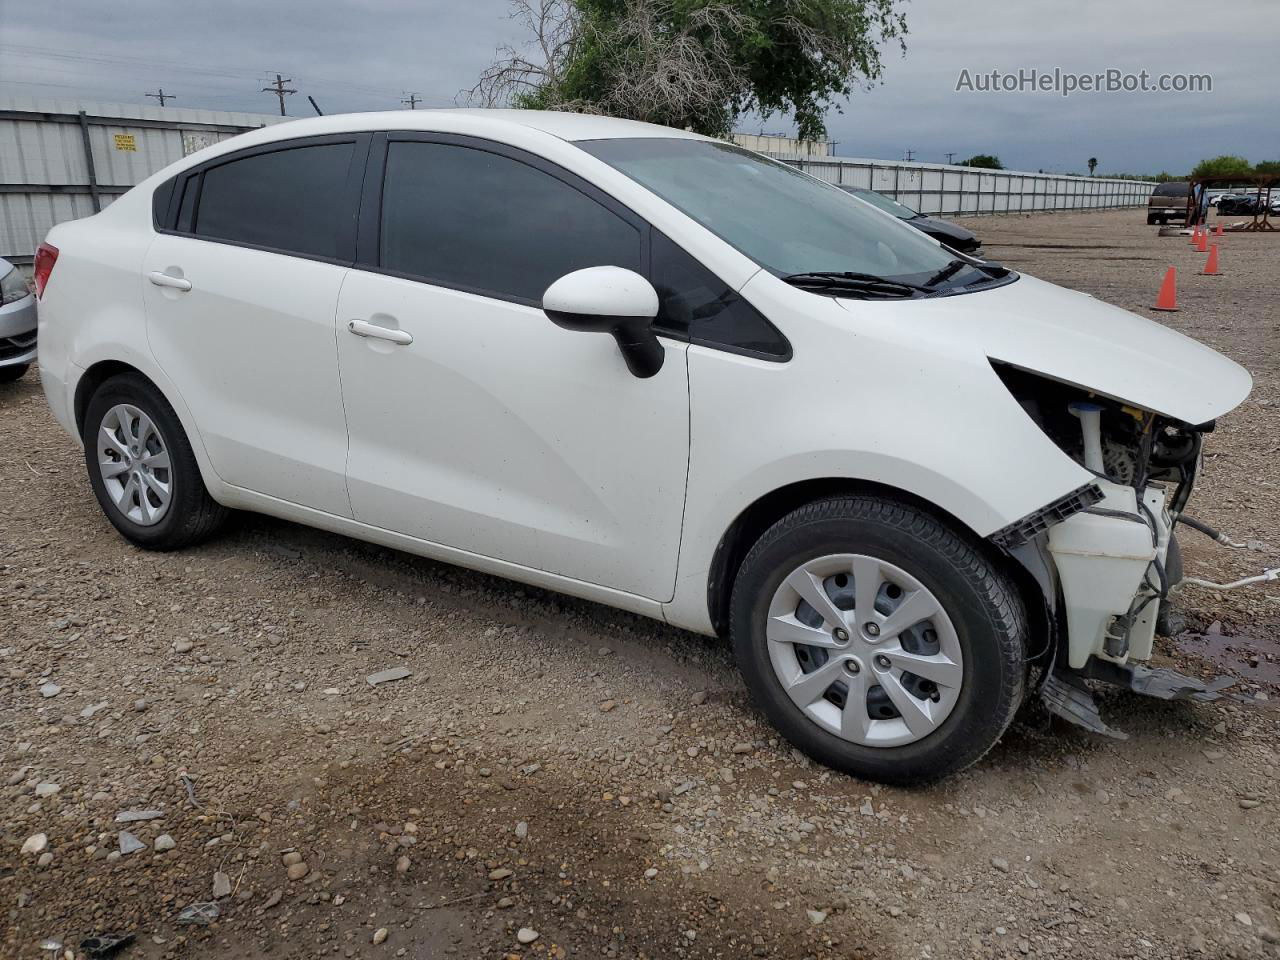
x: 784, y: 220
x: 899, y: 210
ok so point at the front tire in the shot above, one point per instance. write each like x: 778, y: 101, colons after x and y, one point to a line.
x: 142, y: 468
x: 879, y: 640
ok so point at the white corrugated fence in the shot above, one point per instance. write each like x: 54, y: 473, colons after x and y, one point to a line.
x: 62, y: 159
x: 936, y: 188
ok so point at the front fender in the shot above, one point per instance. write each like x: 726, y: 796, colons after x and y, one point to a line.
x: 864, y: 398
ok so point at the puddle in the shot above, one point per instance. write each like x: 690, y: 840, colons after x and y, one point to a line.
x: 1255, y: 661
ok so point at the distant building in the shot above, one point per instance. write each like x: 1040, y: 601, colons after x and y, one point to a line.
x: 775, y: 145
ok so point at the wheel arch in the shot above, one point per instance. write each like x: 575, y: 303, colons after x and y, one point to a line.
x: 771, y: 507
x: 100, y: 371
x: 93, y: 378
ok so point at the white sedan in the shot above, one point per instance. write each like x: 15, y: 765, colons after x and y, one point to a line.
x: 657, y: 371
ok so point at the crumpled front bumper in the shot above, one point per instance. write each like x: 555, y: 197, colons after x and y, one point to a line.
x: 1110, y: 559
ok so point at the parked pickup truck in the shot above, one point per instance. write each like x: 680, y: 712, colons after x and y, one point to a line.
x: 1168, y: 202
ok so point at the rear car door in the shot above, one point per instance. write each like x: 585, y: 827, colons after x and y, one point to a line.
x: 241, y: 285
x: 479, y: 424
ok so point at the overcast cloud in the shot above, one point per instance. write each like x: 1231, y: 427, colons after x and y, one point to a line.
x: 364, y: 56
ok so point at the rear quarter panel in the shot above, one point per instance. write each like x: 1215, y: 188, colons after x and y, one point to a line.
x: 92, y: 311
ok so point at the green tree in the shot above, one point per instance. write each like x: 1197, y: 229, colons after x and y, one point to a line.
x: 696, y: 64
x: 984, y: 160
x: 1268, y: 168
x: 1093, y: 165
x: 1223, y: 166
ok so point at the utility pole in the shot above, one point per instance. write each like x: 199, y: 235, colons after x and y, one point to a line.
x: 162, y: 96
x: 951, y: 158
x: 910, y: 156
x: 280, y: 90
x: 412, y: 100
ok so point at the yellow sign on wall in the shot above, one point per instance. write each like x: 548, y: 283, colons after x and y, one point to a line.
x: 126, y: 141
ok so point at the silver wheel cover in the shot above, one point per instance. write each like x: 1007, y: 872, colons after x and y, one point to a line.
x: 133, y: 462
x: 864, y: 649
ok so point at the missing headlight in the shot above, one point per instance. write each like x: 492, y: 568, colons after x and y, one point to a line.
x: 1133, y: 446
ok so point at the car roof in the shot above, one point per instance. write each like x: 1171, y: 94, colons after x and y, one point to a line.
x: 576, y: 126
x: 565, y: 126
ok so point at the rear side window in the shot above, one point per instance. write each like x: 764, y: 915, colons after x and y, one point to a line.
x: 187, y: 206
x: 290, y: 200
x: 160, y: 202
x: 478, y: 221
x: 694, y: 302
x: 1172, y: 190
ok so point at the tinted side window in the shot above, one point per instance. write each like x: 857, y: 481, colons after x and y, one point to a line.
x: 187, y: 206
x: 478, y: 221
x: 292, y: 199
x: 160, y: 203
x: 693, y: 301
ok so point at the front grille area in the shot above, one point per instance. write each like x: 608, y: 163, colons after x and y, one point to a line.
x: 11, y: 347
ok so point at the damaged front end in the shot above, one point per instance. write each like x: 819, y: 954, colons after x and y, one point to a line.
x: 1106, y: 556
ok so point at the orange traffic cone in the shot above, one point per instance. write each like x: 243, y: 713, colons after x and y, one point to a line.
x: 1217, y: 230
x: 1211, y: 267
x: 1195, y: 234
x: 1202, y: 244
x: 1168, y: 296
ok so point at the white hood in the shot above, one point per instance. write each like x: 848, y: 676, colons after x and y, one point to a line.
x: 1075, y: 338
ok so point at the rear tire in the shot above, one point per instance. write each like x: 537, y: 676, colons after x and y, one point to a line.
x: 966, y: 630
x: 142, y: 468
x: 15, y: 372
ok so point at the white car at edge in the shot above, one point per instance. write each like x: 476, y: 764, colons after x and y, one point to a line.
x: 659, y: 372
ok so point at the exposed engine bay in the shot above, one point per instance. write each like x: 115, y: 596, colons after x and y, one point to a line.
x: 1110, y: 558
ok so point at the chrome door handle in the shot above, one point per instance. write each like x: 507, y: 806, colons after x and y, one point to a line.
x: 363, y: 329
x: 164, y: 280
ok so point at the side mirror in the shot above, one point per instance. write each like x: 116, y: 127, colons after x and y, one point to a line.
x: 610, y: 300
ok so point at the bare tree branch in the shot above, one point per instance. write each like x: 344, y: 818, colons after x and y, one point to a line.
x: 553, y: 26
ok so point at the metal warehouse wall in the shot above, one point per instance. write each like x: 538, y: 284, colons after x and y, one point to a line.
x: 953, y: 191
x: 63, y: 159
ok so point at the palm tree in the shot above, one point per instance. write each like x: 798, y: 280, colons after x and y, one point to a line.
x: 1093, y: 165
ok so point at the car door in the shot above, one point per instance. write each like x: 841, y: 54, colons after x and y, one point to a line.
x: 240, y: 286
x: 480, y: 424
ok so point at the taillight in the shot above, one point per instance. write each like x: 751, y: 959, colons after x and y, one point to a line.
x: 46, y: 257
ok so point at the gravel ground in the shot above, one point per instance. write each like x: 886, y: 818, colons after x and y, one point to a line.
x: 555, y: 779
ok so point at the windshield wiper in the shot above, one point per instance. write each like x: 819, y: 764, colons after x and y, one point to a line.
x: 989, y: 271
x: 854, y: 283
x: 992, y: 269
x: 949, y: 270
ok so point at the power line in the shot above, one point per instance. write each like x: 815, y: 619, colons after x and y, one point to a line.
x: 124, y: 64
x: 951, y: 157
x: 280, y: 90
x: 910, y: 156
x: 412, y: 100
x: 162, y: 96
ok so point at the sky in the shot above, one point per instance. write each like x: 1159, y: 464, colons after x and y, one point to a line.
x: 371, y: 54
